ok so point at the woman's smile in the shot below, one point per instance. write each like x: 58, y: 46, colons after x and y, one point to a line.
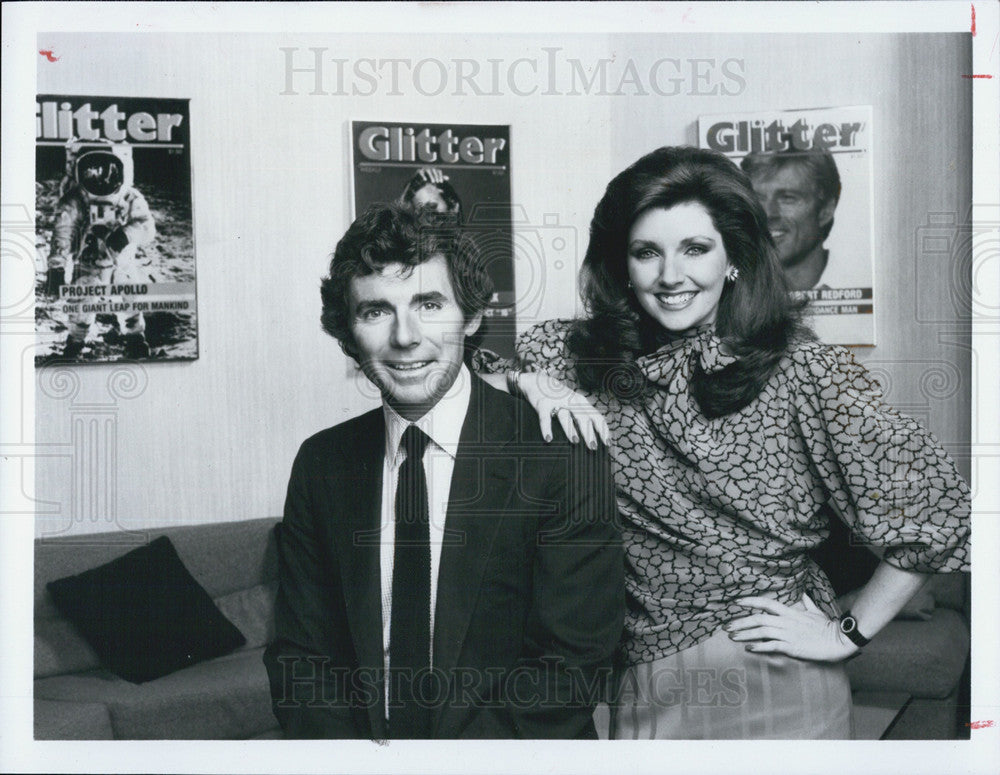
x: 675, y: 300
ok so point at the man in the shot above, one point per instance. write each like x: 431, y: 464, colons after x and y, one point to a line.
x: 475, y: 593
x: 799, y: 192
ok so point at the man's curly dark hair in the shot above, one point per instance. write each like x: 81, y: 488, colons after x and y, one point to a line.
x: 391, y: 234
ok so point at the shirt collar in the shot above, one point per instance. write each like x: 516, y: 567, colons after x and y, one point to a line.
x: 443, y: 423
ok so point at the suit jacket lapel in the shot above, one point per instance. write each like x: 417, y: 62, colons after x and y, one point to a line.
x: 358, y: 544
x: 480, y: 490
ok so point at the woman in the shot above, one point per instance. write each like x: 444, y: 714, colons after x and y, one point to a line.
x: 430, y: 191
x: 731, y: 427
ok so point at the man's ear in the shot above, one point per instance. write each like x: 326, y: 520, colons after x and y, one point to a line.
x: 825, y: 214
x: 473, y: 323
x: 347, y: 345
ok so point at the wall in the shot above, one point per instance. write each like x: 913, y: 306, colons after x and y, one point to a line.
x: 213, y: 439
x: 922, y: 117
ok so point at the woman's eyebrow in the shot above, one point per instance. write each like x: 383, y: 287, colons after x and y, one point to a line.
x: 697, y: 238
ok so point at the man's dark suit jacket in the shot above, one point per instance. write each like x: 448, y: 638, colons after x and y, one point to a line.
x: 530, y: 596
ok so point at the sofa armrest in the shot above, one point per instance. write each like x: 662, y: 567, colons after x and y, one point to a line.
x: 922, y: 658
x: 63, y: 720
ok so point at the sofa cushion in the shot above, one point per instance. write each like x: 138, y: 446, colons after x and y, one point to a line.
x: 948, y: 589
x: 143, y: 613
x: 919, y: 607
x: 222, y: 556
x: 229, y: 556
x: 252, y: 611
x: 227, y: 698
x: 57, y: 720
x: 59, y: 648
x: 922, y: 658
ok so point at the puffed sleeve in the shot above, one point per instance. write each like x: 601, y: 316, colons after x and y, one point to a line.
x: 541, y: 348
x: 886, y: 473
x: 488, y: 362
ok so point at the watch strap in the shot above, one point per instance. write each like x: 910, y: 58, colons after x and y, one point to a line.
x: 849, y: 627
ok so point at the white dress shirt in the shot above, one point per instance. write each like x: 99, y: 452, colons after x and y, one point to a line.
x: 443, y: 425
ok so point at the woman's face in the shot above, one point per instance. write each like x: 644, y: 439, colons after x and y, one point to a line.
x: 677, y: 264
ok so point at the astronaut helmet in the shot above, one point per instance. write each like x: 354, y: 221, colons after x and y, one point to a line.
x: 103, y: 170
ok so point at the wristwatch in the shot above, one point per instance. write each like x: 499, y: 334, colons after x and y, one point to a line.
x: 849, y: 627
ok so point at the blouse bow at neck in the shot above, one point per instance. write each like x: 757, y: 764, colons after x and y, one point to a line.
x: 712, y: 354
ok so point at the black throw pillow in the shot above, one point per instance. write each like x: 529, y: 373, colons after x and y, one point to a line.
x: 144, y: 615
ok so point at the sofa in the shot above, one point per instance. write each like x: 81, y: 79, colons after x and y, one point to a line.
x: 227, y: 698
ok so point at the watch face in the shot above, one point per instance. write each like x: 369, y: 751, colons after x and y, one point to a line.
x: 848, y: 624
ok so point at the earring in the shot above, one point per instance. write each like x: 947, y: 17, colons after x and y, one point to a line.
x: 628, y: 284
x: 732, y: 274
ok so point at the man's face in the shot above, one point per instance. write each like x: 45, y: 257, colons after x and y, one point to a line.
x: 795, y: 214
x: 409, y: 333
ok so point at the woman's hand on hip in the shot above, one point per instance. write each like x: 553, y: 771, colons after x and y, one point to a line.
x: 781, y: 629
x: 552, y: 398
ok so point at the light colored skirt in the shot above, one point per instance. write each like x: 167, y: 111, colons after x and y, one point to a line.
x: 717, y: 690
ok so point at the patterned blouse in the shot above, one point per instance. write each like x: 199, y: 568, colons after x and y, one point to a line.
x: 718, y: 509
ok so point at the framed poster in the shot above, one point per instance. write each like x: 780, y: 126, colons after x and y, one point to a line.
x: 812, y: 170
x: 462, y: 173
x: 115, y: 267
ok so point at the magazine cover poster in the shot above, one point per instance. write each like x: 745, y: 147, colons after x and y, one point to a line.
x: 460, y: 172
x: 115, y: 262
x: 812, y: 170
